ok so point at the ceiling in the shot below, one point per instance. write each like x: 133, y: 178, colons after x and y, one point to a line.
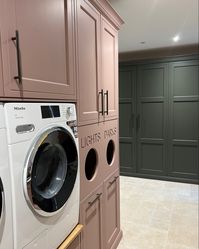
x: 152, y: 24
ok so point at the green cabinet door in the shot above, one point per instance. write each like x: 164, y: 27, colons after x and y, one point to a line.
x: 151, y: 120
x: 184, y: 119
x: 159, y: 120
x: 127, y: 95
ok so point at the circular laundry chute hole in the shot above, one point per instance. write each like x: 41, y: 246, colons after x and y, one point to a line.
x: 110, y: 152
x: 91, y: 164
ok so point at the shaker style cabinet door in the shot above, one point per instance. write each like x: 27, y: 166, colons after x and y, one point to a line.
x: 38, y: 49
x: 88, y: 42
x: 112, y: 210
x: 109, y: 69
x: 75, y: 244
x: 1, y: 65
x: 1, y: 74
x: 91, y: 218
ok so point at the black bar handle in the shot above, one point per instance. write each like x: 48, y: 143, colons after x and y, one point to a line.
x: 138, y: 122
x: 16, y: 41
x: 90, y: 203
x: 132, y: 120
x: 107, y: 109
x: 102, y: 101
x: 115, y: 178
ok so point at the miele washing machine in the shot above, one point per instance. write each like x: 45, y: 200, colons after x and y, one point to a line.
x: 6, y: 232
x: 44, y: 163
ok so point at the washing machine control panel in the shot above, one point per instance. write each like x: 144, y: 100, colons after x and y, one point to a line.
x: 50, y: 111
x: 63, y: 111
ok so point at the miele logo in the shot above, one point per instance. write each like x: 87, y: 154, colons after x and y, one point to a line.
x: 16, y: 108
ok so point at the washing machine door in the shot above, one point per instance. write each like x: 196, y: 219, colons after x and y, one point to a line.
x: 51, y: 171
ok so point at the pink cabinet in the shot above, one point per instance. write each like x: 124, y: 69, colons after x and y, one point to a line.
x: 109, y: 70
x: 88, y: 57
x: 99, y: 154
x: 91, y: 216
x: 97, y: 50
x: 1, y: 65
x: 75, y: 244
x: 1, y: 75
x: 100, y: 215
x: 38, y: 49
x: 112, y: 230
x: 99, y: 172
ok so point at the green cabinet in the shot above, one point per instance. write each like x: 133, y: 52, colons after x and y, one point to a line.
x: 159, y: 120
x: 127, y: 109
x: 184, y: 119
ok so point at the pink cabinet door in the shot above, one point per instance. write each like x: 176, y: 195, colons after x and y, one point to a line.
x: 112, y: 211
x: 1, y: 73
x: 109, y: 50
x: 91, y: 217
x: 75, y: 244
x: 1, y: 65
x: 88, y: 42
x: 44, y: 50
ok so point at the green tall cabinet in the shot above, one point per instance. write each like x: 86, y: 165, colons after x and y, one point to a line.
x: 159, y: 120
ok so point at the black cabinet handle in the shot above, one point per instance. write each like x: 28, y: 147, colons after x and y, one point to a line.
x: 96, y: 198
x: 132, y: 120
x: 138, y: 122
x: 16, y: 41
x: 102, y: 102
x: 107, y: 109
x: 115, y: 178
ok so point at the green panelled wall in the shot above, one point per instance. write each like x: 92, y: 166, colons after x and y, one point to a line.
x: 159, y: 120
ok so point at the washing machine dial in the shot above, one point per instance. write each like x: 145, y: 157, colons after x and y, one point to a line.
x: 69, y: 111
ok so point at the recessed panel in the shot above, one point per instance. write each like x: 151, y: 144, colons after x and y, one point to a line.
x: 152, y: 157
x: 152, y: 123
x: 152, y: 84
x: 186, y: 81
x: 42, y: 39
x: 125, y: 84
x: 186, y: 120
x: 185, y: 159
x: 125, y: 121
x: 126, y: 155
x: 87, y: 56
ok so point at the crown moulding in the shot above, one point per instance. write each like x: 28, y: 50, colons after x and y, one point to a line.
x: 104, y: 7
x: 156, y: 53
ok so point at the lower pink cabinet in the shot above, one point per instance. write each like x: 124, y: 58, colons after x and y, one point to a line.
x: 100, y: 216
x: 75, y: 244
x: 91, y: 217
x: 112, y: 233
x: 1, y: 76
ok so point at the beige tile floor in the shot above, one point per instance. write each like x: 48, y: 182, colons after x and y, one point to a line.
x: 158, y: 214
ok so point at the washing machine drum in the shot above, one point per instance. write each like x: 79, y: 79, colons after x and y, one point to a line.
x: 51, y: 171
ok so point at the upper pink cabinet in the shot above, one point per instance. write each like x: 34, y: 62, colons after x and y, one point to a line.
x: 109, y: 70
x: 97, y: 57
x: 38, y: 49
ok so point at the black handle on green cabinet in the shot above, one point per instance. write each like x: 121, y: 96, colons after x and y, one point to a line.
x: 16, y: 41
x: 132, y: 120
x: 138, y: 122
x: 102, y: 101
x: 107, y: 109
